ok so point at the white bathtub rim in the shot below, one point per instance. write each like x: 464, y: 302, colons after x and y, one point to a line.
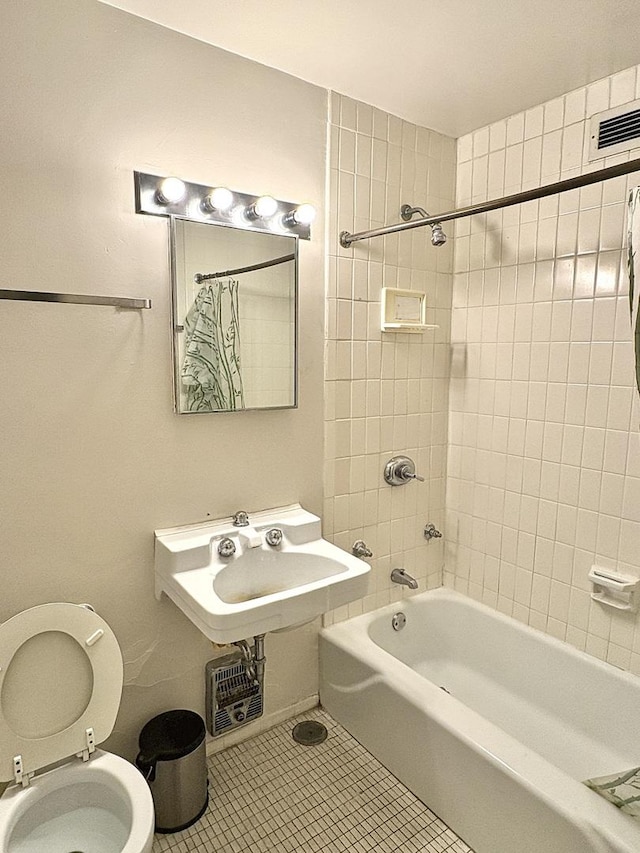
x: 444, y: 593
x: 531, y: 770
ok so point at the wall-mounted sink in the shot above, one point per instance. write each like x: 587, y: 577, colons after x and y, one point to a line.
x: 259, y: 587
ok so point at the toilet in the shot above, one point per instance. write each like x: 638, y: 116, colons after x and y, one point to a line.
x: 60, y: 686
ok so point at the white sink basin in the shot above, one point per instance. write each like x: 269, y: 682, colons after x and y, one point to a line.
x: 259, y: 588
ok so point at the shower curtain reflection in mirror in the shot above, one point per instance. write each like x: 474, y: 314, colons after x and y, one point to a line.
x: 211, y: 373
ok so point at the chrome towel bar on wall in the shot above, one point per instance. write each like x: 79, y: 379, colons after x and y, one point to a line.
x: 75, y: 298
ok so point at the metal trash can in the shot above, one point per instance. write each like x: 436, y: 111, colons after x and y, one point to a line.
x: 173, y: 760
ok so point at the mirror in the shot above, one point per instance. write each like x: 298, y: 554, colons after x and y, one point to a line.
x: 234, y: 318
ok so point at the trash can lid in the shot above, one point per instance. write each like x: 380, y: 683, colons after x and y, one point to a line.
x: 171, y: 735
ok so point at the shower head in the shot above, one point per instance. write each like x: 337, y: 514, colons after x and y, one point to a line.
x: 438, y: 237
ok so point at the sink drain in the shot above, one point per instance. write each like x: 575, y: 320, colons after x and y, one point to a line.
x: 309, y: 733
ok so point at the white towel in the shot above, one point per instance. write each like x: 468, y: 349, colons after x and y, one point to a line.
x: 633, y: 264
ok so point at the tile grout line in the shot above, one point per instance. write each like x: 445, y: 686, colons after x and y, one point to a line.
x: 272, y: 794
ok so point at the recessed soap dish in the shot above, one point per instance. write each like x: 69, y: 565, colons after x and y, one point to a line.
x: 614, y: 589
x: 404, y: 311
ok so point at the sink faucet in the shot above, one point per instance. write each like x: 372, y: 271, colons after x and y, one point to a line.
x: 401, y: 577
x: 250, y: 537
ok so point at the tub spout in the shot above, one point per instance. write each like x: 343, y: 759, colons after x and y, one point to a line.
x: 401, y: 577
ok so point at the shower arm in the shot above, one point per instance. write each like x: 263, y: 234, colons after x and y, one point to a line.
x: 346, y: 238
x: 438, y: 237
x: 406, y: 212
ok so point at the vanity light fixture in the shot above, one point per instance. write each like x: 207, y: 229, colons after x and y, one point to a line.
x: 304, y: 214
x: 170, y: 196
x: 262, y: 208
x: 171, y: 191
x: 220, y: 199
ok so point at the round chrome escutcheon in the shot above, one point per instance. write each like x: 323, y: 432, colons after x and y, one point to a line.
x: 398, y: 621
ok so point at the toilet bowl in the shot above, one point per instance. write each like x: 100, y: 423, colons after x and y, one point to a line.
x: 60, y: 686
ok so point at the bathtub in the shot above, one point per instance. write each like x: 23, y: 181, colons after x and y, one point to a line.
x: 490, y: 723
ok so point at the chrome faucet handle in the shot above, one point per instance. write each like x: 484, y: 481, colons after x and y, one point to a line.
x: 407, y: 474
x: 226, y: 547
x: 360, y: 550
x: 240, y: 519
x: 273, y: 537
x: 431, y: 532
x: 399, y: 470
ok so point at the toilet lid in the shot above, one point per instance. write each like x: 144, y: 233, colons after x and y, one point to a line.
x: 60, y: 675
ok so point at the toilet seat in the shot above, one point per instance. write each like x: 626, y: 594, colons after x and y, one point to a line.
x: 61, y: 677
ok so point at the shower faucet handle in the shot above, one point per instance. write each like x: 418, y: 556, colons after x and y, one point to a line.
x: 361, y: 550
x: 407, y: 474
x: 431, y: 532
x: 399, y: 470
x: 240, y: 519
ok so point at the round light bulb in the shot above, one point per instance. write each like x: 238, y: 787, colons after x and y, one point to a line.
x: 219, y: 199
x: 305, y: 214
x: 171, y: 190
x: 265, y: 206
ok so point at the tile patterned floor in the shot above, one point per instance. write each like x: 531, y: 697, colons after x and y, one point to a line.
x: 272, y: 794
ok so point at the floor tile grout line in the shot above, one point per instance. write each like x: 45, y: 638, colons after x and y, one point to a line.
x: 274, y: 796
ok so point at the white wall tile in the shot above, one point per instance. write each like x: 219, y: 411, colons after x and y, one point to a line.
x: 387, y: 393
x: 515, y: 129
x: 533, y: 122
x: 598, y: 97
x: 623, y: 87
x: 574, y: 106
x: 553, y: 115
x: 497, y: 135
x: 546, y: 451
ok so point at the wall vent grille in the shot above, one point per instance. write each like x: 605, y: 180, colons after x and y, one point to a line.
x: 615, y: 131
x: 232, y: 697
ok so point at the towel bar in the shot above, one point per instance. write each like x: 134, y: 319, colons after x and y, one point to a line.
x: 76, y: 298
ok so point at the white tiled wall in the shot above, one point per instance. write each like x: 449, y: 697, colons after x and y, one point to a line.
x: 267, y: 335
x: 544, y: 459
x: 385, y: 394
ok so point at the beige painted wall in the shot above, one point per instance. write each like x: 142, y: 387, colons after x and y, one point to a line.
x: 93, y: 458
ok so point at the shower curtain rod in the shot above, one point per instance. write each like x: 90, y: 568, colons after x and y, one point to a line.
x: 200, y: 277
x: 346, y: 239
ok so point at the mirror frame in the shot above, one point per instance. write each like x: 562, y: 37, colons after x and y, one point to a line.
x: 177, y: 329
